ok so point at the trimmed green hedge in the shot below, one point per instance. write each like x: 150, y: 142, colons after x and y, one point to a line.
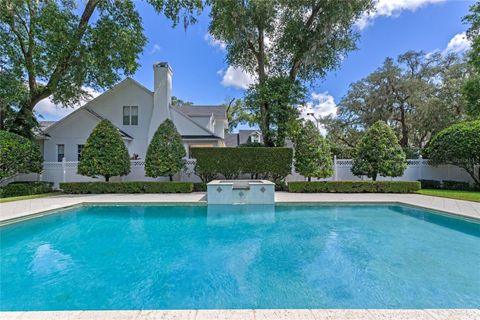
x: 354, y: 186
x: 127, y: 187
x: 16, y: 189
x: 259, y: 162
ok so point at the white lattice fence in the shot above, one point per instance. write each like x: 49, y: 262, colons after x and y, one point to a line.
x: 66, y: 171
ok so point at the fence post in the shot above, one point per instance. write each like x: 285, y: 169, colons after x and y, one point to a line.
x: 335, y: 168
x: 64, y: 167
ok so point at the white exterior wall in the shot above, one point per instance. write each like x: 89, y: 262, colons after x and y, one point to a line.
x: 111, y: 108
x: 75, y: 130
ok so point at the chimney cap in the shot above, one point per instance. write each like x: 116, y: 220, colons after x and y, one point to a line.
x: 162, y: 64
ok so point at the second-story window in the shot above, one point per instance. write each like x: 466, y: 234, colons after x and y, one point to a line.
x: 130, y: 115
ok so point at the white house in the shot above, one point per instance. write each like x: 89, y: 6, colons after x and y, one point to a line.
x: 136, y: 112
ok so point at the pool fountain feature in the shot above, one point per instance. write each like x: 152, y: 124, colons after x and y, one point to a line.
x: 241, y: 192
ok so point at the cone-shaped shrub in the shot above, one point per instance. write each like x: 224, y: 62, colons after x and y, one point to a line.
x: 165, y: 152
x: 379, y: 153
x: 104, y: 153
x: 312, y: 153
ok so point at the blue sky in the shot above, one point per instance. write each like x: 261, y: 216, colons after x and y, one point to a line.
x: 202, y: 76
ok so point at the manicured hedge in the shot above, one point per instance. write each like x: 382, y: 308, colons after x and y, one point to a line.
x: 431, y: 184
x: 456, y: 185
x: 354, y: 186
x: 16, y: 189
x: 199, y: 187
x: 127, y: 187
x: 259, y: 162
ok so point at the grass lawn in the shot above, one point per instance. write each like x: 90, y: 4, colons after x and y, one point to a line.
x: 33, y: 196
x: 453, y: 194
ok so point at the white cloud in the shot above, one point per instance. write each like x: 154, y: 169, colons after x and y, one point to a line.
x: 214, y: 42
x: 155, y: 49
x: 321, y: 105
x: 51, y: 111
x: 458, y: 44
x: 388, y: 8
x: 236, y: 77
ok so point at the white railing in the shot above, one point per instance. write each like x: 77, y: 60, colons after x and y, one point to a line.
x: 66, y: 171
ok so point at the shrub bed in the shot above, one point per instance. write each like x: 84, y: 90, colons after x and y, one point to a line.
x: 354, y: 186
x: 17, y: 189
x: 456, y: 185
x: 126, y: 187
x: 259, y: 162
x: 199, y: 187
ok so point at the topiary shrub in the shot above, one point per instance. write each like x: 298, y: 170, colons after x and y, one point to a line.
x: 18, y: 155
x: 263, y: 162
x: 312, y: 153
x: 104, y: 153
x: 165, y: 153
x: 379, y: 153
x: 459, y: 145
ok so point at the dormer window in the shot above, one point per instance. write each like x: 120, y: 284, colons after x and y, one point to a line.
x: 130, y: 115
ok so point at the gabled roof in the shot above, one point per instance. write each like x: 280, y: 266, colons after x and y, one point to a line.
x: 122, y: 133
x: 219, y: 112
x: 101, y: 96
x: 204, y: 130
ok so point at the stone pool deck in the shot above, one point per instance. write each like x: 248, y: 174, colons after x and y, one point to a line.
x: 12, y: 211
x: 279, y: 314
x: 19, y: 210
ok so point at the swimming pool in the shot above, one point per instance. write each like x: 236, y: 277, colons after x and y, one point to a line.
x: 229, y: 257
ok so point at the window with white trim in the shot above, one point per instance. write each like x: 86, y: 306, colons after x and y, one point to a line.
x: 130, y: 115
x: 60, y: 152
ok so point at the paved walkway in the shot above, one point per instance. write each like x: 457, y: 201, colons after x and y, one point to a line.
x: 24, y: 208
x: 18, y: 210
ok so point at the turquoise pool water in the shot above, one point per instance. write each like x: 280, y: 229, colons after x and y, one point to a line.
x: 217, y: 257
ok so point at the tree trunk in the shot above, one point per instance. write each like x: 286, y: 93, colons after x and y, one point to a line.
x: 171, y: 177
x: 374, y: 176
x: 309, y: 179
x: 107, y: 178
x: 403, y: 121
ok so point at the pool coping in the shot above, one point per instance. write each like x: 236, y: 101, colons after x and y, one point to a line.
x: 46, y: 206
x: 251, y: 314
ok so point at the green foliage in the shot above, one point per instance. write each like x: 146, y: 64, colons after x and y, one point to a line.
x: 178, y: 103
x: 430, y: 184
x: 251, y: 145
x: 417, y: 94
x: 126, y: 187
x: 18, y: 155
x: 379, y: 153
x: 165, y: 152
x: 199, y: 187
x: 312, y: 153
x: 237, y: 114
x: 458, y: 144
x: 58, y: 48
x: 354, y: 186
x: 16, y: 189
x: 456, y: 185
x: 104, y: 153
x: 471, y: 88
x: 283, y: 41
x: 262, y: 162
x: 282, y: 96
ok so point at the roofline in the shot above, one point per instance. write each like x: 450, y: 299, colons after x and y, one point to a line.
x: 191, y: 120
x: 101, y: 96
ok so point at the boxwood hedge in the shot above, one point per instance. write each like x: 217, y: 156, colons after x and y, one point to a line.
x: 16, y: 189
x: 354, y: 186
x: 258, y: 162
x: 127, y: 187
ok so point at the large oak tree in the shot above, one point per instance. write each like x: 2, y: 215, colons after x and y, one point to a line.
x: 285, y: 40
x: 57, y: 48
